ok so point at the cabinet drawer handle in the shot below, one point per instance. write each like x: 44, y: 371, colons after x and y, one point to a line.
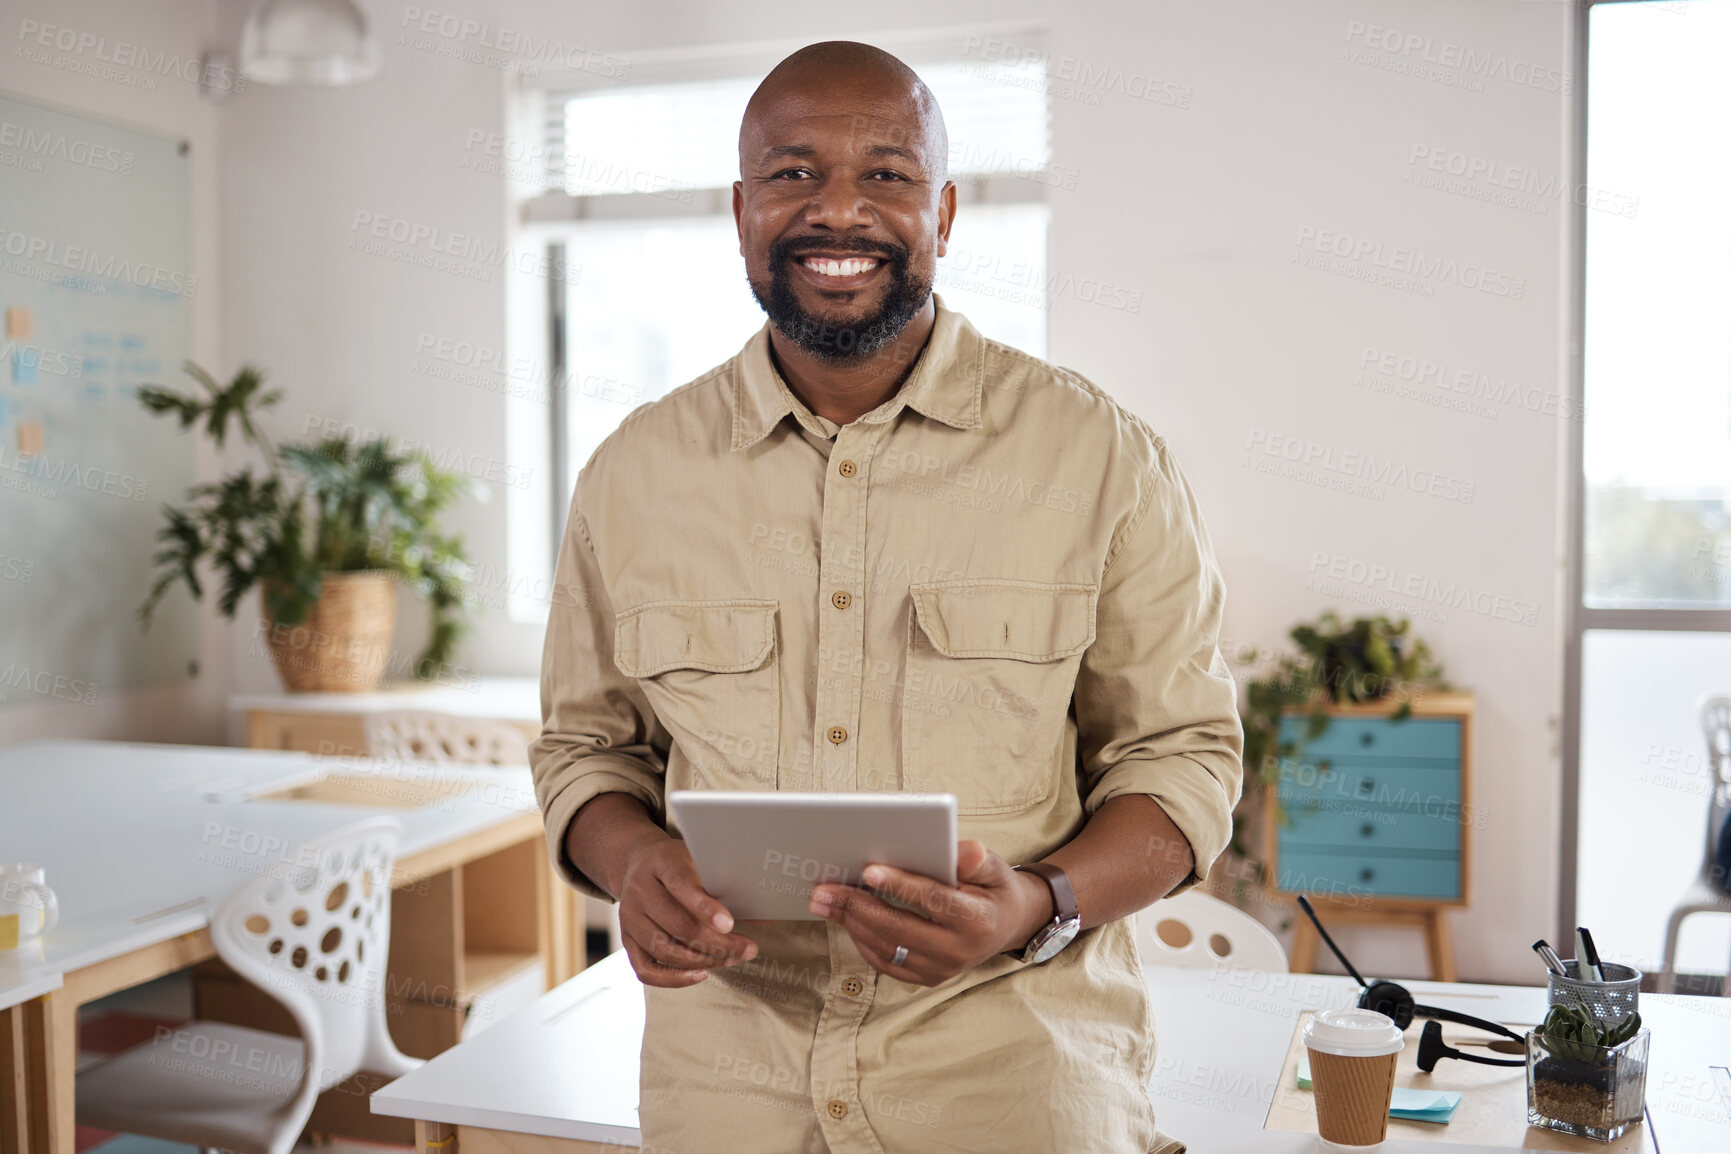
x: 1366, y: 874
x: 1368, y: 737
x: 1366, y: 786
x: 1367, y: 830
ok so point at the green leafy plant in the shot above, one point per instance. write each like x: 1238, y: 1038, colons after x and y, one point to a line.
x: 1574, y: 1034
x: 1367, y: 659
x: 330, y: 506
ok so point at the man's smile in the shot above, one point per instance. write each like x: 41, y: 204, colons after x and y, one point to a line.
x: 839, y: 272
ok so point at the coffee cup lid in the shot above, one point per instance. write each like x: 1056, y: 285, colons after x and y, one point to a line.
x: 1353, y: 1033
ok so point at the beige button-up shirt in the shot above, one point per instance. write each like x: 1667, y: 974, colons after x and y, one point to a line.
x: 995, y: 584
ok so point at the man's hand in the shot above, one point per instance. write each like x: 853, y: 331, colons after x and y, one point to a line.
x: 674, y: 932
x: 992, y: 908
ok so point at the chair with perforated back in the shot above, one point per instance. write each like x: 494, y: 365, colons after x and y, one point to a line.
x: 1710, y: 892
x: 313, y: 934
x: 1194, y: 931
x: 443, y: 738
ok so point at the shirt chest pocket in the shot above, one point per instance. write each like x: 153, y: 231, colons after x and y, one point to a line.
x: 991, y: 667
x: 709, y: 671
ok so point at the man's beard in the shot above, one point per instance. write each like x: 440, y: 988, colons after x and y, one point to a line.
x: 827, y: 340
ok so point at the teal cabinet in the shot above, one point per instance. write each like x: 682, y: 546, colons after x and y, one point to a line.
x: 1375, y: 808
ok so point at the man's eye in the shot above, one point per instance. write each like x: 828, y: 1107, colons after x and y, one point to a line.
x: 790, y: 173
x: 886, y: 174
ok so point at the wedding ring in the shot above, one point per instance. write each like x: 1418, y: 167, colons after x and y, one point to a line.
x: 901, y: 956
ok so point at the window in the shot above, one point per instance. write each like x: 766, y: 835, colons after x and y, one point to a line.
x: 635, y: 200
x: 1652, y: 623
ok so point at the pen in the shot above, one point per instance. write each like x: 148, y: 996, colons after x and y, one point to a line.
x: 1583, y: 968
x: 1592, y: 953
x: 1549, y: 957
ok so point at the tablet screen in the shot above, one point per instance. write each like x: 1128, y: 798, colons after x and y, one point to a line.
x: 761, y: 853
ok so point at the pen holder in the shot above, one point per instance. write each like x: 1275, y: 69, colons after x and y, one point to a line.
x: 1589, y: 1091
x: 1608, y: 1001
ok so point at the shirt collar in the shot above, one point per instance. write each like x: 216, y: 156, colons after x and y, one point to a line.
x: 946, y: 384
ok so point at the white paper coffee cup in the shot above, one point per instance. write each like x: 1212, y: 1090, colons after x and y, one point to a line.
x: 1353, y: 1054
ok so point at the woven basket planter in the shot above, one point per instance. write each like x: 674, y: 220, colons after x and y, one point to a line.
x: 344, y: 645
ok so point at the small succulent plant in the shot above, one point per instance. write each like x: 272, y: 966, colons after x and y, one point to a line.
x: 1572, y: 1032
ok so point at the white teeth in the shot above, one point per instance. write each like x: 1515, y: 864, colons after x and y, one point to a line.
x: 849, y: 267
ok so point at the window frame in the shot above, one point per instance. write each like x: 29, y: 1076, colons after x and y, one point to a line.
x: 1579, y: 617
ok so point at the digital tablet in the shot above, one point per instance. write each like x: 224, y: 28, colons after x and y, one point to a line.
x: 761, y: 853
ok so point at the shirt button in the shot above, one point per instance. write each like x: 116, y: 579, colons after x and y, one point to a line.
x: 852, y: 987
x: 837, y: 734
x: 842, y: 599
x: 837, y: 1109
x: 847, y: 468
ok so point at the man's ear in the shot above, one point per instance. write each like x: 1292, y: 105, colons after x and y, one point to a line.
x: 739, y: 213
x: 946, y: 215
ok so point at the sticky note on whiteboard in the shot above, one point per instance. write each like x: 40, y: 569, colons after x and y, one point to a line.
x: 18, y: 323
x: 30, y: 438
x: 24, y: 367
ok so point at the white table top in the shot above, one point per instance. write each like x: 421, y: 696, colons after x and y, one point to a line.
x: 566, y: 1066
x: 140, y: 842
x: 492, y: 698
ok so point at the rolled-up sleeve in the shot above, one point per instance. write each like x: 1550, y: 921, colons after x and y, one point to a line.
x: 1156, y: 708
x: 598, y: 733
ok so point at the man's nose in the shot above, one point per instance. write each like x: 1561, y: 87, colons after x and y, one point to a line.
x: 838, y: 205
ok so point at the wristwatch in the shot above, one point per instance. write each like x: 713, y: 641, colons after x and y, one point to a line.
x: 1062, y: 929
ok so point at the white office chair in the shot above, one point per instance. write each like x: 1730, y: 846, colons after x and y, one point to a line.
x: 315, y: 939
x: 1196, y: 931
x: 417, y: 735
x: 1710, y: 892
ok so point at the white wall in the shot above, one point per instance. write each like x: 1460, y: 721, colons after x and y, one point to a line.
x: 182, y: 709
x: 1276, y: 128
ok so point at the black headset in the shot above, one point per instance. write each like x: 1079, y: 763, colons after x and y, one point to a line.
x: 1396, y: 1002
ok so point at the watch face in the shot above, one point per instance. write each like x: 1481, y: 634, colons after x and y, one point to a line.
x: 1052, y: 939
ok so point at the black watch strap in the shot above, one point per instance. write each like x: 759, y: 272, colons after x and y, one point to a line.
x: 1063, y: 897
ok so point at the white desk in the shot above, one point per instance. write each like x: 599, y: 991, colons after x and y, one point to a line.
x: 25, y: 974
x: 564, y: 1067
x: 334, y: 722
x: 560, y: 1076
x: 497, y: 698
x: 140, y: 842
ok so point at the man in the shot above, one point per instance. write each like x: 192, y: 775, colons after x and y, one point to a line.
x: 875, y: 551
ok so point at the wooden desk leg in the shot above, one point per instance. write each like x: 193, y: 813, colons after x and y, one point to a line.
x: 478, y: 1140
x: 435, y: 1138
x: 554, y: 922
x: 51, y: 1046
x: 1440, y: 945
x: 1304, y: 945
x: 14, y: 1083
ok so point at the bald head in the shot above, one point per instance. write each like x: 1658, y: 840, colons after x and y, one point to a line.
x: 884, y: 97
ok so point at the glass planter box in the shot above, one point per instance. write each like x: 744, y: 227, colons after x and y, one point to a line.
x: 1589, y: 1091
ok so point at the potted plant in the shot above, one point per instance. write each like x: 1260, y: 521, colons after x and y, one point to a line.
x: 326, y: 532
x: 1363, y: 660
x: 1367, y: 659
x: 1586, y: 1076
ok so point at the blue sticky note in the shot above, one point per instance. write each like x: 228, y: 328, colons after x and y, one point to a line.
x: 23, y: 368
x: 1413, y: 1105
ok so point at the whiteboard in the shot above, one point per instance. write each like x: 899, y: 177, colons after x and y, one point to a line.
x: 96, y: 294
